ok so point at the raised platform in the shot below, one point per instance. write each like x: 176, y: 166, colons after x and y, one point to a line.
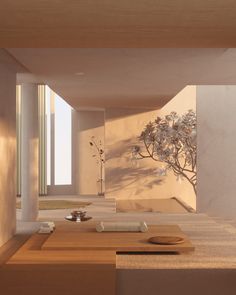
x: 210, y: 269
x: 33, y: 271
x: 53, y: 262
x: 172, y: 205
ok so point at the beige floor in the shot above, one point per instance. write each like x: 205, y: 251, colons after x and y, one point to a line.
x: 214, y: 239
x: 197, y: 226
x: 99, y: 208
x: 102, y: 208
x: 210, y: 269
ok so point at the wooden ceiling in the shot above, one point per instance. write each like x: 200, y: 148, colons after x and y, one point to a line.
x: 123, y: 23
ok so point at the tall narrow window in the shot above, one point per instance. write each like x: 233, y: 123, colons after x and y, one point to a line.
x: 48, y: 119
x: 59, y: 144
x: 18, y: 134
x: 63, y: 142
x: 42, y: 140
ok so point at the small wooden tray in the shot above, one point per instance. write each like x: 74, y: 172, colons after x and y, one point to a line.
x: 166, y: 240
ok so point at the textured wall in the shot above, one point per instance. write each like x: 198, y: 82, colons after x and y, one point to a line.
x: 7, y: 152
x: 216, y: 107
x: 90, y: 123
x: 123, y: 178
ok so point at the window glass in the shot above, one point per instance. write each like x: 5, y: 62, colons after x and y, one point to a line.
x: 63, y: 142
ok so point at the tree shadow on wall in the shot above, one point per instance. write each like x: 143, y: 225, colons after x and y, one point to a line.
x: 120, y: 149
x: 121, y: 173
x: 120, y: 178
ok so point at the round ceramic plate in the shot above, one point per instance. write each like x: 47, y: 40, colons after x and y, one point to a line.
x: 166, y: 240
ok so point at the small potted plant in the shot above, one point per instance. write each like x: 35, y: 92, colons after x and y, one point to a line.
x: 99, y: 155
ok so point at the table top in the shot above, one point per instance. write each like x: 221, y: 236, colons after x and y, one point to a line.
x: 214, y: 242
x: 85, y: 237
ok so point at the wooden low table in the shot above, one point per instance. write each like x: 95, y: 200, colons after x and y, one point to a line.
x: 85, y: 237
x: 77, y: 259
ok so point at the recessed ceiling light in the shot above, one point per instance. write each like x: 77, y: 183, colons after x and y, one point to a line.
x: 80, y: 74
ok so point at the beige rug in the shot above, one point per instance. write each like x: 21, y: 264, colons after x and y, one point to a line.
x: 58, y: 204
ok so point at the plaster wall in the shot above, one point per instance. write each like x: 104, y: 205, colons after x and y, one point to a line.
x: 216, y: 150
x: 7, y: 152
x: 89, y: 123
x: 126, y: 179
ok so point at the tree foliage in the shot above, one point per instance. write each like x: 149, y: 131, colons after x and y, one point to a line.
x: 171, y: 140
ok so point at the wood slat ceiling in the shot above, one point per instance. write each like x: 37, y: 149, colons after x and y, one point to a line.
x: 123, y: 23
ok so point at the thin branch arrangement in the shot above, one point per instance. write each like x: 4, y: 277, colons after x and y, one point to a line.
x: 99, y: 155
x: 171, y: 140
